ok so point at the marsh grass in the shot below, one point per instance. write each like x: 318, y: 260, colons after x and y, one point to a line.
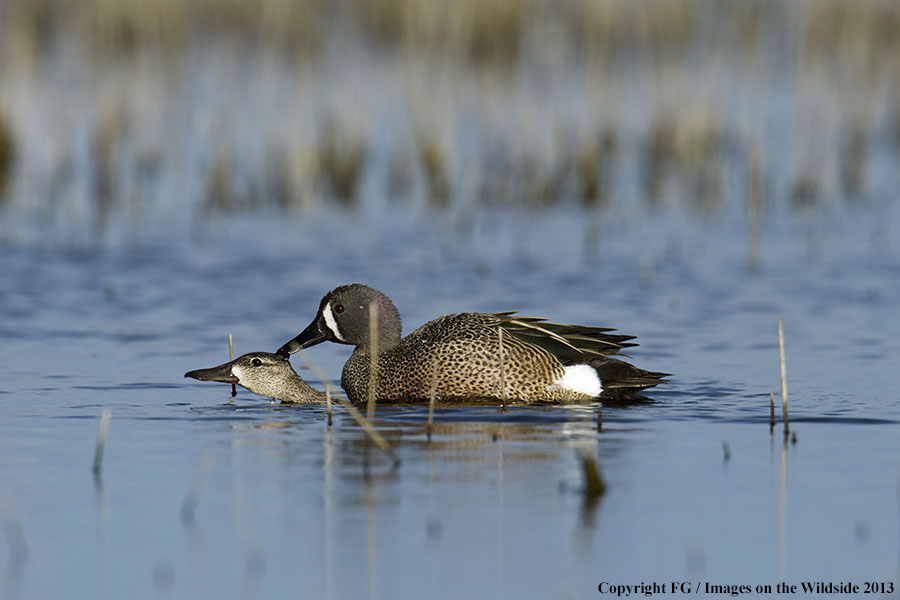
x: 433, y: 159
x: 784, y: 396
x: 432, y: 396
x: 594, y: 167
x: 230, y: 358
x: 514, y: 103
x: 341, y: 159
x: 328, y: 402
x: 7, y: 156
x: 373, y: 361
x: 502, y: 368
x: 220, y: 193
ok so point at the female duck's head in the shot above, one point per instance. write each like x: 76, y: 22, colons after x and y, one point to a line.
x: 265, y: 374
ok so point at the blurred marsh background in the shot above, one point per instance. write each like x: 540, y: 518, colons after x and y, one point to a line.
x: 688, y: 171
x: 119, y: 118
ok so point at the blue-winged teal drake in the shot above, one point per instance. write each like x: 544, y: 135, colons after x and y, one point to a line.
x: 265, y: 374
x: 469, y: 356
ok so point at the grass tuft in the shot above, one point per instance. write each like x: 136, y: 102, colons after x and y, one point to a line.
x: 784, y: 396
x: 7, y: 156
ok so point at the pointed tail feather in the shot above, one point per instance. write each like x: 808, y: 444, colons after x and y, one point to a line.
x: 569, y: 343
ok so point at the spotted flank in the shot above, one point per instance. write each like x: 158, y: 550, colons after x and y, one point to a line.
x: 465, y: 357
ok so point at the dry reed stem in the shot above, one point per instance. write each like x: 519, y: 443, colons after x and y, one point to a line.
x: 101, y: 441
x: 231, y: 357
x: 431, y: 396
x: 784, y: 399
x: 373, y: 358
x: 328, y: 402
x: 502, y: 374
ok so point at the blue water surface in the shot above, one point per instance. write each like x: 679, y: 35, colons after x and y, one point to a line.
x: 202, y: 495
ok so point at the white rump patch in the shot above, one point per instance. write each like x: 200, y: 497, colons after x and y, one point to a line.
x: 331, y: 323
x: 582, y: 379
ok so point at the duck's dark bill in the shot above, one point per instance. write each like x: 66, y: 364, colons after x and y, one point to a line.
x: 310, y: 336
x: 221, y: 373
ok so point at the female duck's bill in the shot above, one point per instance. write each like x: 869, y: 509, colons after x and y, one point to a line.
x: 264, y: 374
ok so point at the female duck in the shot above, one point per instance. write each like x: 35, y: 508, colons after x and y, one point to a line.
x: 265, y: 374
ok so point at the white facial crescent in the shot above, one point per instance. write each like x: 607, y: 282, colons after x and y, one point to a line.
x: 330, y: 323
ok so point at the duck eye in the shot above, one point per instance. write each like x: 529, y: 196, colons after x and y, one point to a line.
x: 256, y: 362
x: 338, y: 308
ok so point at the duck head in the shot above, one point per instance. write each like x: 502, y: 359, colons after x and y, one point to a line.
x: 263, y: 373
x: 344, y: 317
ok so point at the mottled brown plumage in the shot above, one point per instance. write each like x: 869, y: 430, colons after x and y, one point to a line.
x: 459, y: 356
